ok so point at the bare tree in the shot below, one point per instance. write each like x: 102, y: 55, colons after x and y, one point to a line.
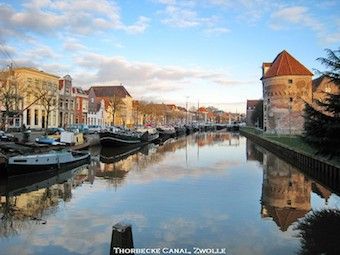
x: 115, y: 104
x: 47, y: 95
x: 10, y: 96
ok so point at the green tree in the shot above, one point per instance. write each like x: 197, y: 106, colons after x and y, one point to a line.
x: 322, y: 118
x: 319, y: 232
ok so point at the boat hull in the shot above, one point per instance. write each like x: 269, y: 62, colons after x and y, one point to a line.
x: 112, y: 139
x: 18, y: 169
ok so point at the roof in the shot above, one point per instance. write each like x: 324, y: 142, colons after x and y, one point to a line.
x: 108, y: 91
x: 78, y: 90
x: 36, y: 71
x: 284, y: 217
x: 252, y: 103
x: 285, y: 64
x: 202, y: 109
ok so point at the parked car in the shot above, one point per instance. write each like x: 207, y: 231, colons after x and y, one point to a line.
x: 94, y: 129
x: 81, y: 128
x: 55, y: 131
x: 5, y: 137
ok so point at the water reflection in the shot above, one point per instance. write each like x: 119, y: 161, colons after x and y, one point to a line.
x: 28, y: 199
x: 286, y: 191
x: 208, y: 189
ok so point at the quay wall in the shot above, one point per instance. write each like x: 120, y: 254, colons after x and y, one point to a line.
x: 319, y: 169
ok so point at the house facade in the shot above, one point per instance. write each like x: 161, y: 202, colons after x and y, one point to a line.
x: 96, y: 114
x: 287, y: 85
x: 81, y: 105
x: 118, y: 103
x: 66, y: 102
x: 29, y: 84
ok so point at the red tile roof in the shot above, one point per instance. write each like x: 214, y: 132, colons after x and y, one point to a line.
x: 109, y: 91
x: 202, y: 109
x: 285, y: 64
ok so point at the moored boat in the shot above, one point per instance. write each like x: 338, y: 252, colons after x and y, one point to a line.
x: 47, y: 140
x: 180, y: 130
x: 149, y: 134
x: 52, y: 160
x: 166, y: 132
x: 120, y: 137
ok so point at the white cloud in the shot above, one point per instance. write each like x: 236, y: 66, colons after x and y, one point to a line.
x: 184, y: 14
x: 300, y: 17
x: 118, y: 69
x: 73, y: 45
x: 73, y: 16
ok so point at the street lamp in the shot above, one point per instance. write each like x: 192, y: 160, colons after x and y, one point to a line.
x: 186, y: 108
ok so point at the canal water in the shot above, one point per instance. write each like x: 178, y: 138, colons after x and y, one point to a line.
x: 207, y: 190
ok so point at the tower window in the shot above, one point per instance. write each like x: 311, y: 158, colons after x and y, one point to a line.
x: 290, y: 81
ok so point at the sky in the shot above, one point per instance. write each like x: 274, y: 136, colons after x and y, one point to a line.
x: 204, y: 52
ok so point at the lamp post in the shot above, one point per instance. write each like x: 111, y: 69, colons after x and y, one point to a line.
x: 186, y: 108
x: 289, y: 113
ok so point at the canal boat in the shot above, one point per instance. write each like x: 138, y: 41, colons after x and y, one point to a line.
x: 53, y: 160
x: 149, y: 134
x: 180, y: 130
x: 189, y: 129
x: 116, y: 137
x: 47, y: 140
x: 166, y: 132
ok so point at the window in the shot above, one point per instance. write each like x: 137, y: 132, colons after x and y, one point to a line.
x: 36, y: 117
x: 290, y: 81
x: 28, y: 117
x: 290, y: 99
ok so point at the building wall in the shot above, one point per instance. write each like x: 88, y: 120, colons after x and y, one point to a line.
x: 123, y: 116
x: 29, y: 80
x: 97, y: 117
x: 250, y: 111
x: 66, y: 102
x: 81, y: 108
x: 283, y: 103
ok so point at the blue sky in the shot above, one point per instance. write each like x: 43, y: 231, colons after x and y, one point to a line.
x: 210, y: 51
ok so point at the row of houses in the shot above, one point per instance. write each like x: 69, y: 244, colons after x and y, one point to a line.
x: 287, y: 85
x: 36, y: 99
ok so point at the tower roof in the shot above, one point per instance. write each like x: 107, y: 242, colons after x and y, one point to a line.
x: 286, y: 64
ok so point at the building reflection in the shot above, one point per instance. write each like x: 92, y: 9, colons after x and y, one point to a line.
x: 29, y: 199
x: 286, y: 192
x: 114, y: 164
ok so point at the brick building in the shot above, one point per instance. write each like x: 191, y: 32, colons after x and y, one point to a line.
x: 81, y: 107
x: 251, y: 104
x: 112, y: 95
x: 287, y: 84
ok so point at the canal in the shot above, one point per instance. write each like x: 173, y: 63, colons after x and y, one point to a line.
x: 208, y: 190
